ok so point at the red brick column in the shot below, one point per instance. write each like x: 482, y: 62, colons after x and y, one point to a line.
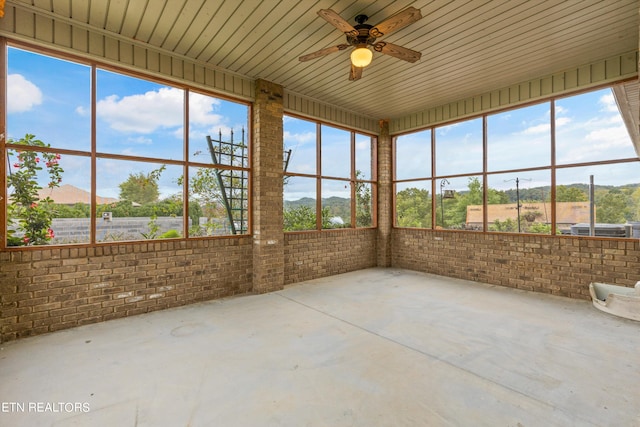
x: 268, y: 234
x: 385, y: 196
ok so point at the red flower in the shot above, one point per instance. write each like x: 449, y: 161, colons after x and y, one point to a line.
x: 25, y: 239
x: 16, y: 165
x: 33, y: 205
x: 50, y: 234
x: 37, y: 159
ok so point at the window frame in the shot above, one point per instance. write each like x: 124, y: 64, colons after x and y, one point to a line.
x: 552, y: 167
x: 185, y: 163
x: 319, y: 177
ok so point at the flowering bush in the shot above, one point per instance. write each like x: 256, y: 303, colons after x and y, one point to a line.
x: 33, y: 214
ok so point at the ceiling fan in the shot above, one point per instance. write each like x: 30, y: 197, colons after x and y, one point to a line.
x: 363, y: 35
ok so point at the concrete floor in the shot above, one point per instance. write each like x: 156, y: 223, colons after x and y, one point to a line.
x: 378, y: 347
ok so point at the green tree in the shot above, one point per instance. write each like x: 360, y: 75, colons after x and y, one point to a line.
x: 363, y: 202
x: 140, y: 187
x: 413, y: 208
x: 337, y: 207
x: 570, y: 194
x: 456, y: 210
x: 32, y: 214
x: 301, y: 218
x: 508, y: 225
x: 611, y: 207
x: 540, y: 228
x: 634, y: 202
x: 78, y: 210
x: 496, y: 197
x: 221, y: 193
x: 205, y: 190
x: 536, y: 194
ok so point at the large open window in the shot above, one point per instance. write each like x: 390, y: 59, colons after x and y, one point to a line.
x: 329, y: 178
x: 97, y: 155
x: 413, y: 190
x: 563, y: 166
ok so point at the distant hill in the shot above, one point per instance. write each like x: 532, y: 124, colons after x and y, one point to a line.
x: 541, y: 194
x: 338, y: 206
x: 305, y: 201
x: 67, y: 194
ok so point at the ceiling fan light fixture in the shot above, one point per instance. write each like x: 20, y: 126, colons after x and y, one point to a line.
x: 362, y: 38
x: 361, y: 56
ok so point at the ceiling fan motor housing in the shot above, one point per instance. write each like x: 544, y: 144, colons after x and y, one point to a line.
x: 364, y: 36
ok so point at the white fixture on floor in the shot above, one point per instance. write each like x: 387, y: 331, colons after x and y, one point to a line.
x: 617, y: 300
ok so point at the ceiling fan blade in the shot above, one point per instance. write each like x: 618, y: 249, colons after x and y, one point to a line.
x: 336, y: 20
x: 356, y: 73
x: 322, y: 52
x: 397, y: 21
x: 397, y: 51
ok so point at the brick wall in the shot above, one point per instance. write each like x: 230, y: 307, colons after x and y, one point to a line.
x: 45, y: 290
x: 267, y: 176
x: 555, y: 265
x: 385, y: 195
x: 313, y: 255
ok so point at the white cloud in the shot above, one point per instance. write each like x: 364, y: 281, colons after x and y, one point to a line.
x: 603, y: 140
x: 537, y: 129
x: 363, y: 145
x: 561, y: 110
x: 615, y: 120
x: 608, y: 103
x: 143, y: 113
x: 140, y: 140
x: 303, y: 152
x: 300, y: 138
x: 178, y: 133
x: 443, y: 130
x: 540, y: 124
x: 201, y: 109
x: 23, y: 95
x: 81, y: 111
x: 607, y: 138
x: 562, y: 121
x: 161, y: 109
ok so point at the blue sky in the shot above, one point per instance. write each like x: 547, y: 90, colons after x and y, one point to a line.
x: 50, y: 98
x: 300, y: 138
x: 588, y: 127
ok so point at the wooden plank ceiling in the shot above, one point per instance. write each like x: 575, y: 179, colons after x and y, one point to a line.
x: 468, y: 46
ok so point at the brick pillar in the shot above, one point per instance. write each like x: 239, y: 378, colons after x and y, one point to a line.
x: 385, y: 196
x: 268, y: 234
